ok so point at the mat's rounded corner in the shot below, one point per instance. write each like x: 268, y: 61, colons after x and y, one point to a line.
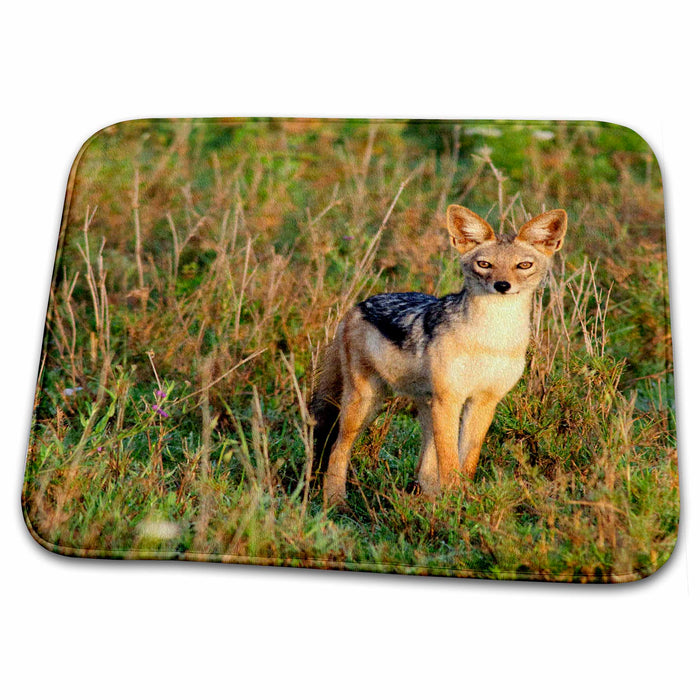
x: 635, y: 133
x: 51, y: 547
x: 645, y: 573
x: 38, y: 539
x: 105, y: 131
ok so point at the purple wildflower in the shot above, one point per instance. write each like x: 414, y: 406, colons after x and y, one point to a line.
x: 159, y: 394
x: 159, y: 411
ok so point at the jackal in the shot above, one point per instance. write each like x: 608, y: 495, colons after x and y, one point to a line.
x: 456, y: 356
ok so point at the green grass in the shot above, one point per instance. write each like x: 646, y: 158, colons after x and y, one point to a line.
x: 203, y: 265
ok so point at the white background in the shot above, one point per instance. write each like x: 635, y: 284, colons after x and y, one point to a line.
x: 86, y: 629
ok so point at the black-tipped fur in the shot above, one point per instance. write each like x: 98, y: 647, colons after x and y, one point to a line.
x: 410, y: 319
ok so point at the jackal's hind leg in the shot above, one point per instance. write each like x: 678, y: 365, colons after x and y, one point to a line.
x: 359, y: 401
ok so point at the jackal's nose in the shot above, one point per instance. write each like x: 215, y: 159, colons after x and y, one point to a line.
x: 501, y: 287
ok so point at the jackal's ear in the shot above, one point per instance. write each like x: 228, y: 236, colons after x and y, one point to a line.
x: 545, y: 232
x: 467, y: 229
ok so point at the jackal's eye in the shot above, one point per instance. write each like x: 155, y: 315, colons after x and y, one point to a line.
x: 485, y: 264
x: 524, y: 265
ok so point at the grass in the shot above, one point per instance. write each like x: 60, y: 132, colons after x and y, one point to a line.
x: 202, y: 265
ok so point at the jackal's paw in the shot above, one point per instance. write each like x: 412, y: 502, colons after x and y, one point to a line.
x: 333, y: 493
x: 429, y: 488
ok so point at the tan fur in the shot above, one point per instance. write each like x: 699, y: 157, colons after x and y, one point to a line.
x: 464, y: 371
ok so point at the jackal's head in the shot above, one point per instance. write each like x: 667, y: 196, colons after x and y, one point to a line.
x: 493, y: 266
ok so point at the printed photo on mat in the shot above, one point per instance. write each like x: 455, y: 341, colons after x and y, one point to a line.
x: 424, y: 347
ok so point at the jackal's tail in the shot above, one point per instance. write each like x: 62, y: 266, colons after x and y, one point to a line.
x: 325, y: 404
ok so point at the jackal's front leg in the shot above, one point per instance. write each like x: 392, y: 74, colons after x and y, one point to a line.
x: 445, y: 413
x: 476, y: 420
x: 428, y: 477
